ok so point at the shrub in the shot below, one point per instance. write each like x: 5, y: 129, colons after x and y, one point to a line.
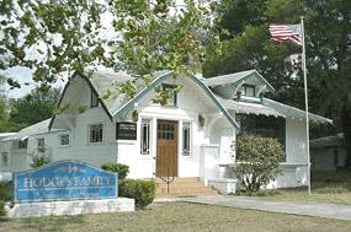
x: 257, y: 161
x: 2, y: 208
x: 121, y: 169
x: 39, y: 160
x: 5, y: 195
x: 6, y: 191
x: 141, y: 190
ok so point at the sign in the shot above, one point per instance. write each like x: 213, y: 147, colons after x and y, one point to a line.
x: 126, y: 130
x: 64, y: 180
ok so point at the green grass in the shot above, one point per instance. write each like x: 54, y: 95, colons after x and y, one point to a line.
x: 328, y: 187
x: 179, y: 217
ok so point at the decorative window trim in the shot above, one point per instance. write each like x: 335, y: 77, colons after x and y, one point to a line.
x: 187, y: 138
x: 98, y: 138
x: 145, y: 130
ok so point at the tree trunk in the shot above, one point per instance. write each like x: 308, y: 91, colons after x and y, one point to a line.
x: 345, y: 116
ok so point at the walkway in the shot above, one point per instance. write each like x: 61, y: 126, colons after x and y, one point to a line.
x: 327, y: 210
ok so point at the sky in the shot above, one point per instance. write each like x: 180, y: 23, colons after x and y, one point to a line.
x: 22, y: 75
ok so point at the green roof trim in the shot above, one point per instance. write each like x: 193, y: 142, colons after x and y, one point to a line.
x: 259, y: 77
x: 158, y: 80
x: 91, y: 86
x: 121, y: 111
x: 219, y: 106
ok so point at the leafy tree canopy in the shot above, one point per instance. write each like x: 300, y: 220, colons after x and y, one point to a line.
x: 34, y: 107
x: 55, y: 38
x: 328, y: 49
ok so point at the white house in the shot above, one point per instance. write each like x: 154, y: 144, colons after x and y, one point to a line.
x: 190, y: 136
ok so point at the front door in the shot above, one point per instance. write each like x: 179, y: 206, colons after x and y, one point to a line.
x: 166, y: 159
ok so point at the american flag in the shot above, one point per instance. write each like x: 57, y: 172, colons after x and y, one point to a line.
x: 284, y: 32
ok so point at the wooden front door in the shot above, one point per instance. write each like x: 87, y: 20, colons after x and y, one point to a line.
x: 166, y: 159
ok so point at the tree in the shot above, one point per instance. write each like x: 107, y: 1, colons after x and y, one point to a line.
x: 34, y: 107
x: 252, y: 48
x: 328, y: 45
x: 257, y: 161
x: 59, y: 37
x: 329, y: 51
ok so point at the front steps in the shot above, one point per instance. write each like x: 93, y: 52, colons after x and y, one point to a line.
x: 182, y: 187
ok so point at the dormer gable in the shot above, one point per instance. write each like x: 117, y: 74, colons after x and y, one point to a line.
x: 249, y: 85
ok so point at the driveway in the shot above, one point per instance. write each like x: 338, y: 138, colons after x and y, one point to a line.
x: 326, y: 210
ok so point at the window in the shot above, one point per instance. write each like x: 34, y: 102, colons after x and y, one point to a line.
x: 40, y: 142
x: 145, y: 137
x: 186, y: 139
x: 172, y: 101
x: 4, y: 159
x: 95, y: 132
x: 263, y: 126
x: 94, y: 101
x: 22, y: 144
x: 64, y: 139
x: 166, y: 130
x: 249, y: 90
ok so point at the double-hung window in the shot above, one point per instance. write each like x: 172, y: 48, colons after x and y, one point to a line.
x: 95, y: 133
x: 186, y: 138
x: 145, y: 137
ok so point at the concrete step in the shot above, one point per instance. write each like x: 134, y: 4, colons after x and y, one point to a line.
x: 189, y: 186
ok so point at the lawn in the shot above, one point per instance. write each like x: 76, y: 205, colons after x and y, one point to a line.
x: 329, y: 187
x: 179, y: 217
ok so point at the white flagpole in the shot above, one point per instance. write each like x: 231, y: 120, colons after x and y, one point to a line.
x: 304, y: 69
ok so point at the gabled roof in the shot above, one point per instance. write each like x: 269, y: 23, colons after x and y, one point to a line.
x: 117, y: 104
x: 236, y: 78
x: 166, y: 75
x: 36, y: 129
x: 104, y: 83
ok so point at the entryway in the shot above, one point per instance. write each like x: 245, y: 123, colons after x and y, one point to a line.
x: 167, y: 148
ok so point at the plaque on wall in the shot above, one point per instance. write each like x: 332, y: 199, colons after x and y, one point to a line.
x: 126, y: 130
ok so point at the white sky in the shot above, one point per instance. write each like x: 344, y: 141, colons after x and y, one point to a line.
x: 22, y: 75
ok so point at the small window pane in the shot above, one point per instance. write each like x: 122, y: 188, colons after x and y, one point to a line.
x: 41, y: 142
x: 64, y: 139
x: 145, y: 137
x: 4, y: 159
x: 186, y: 139
x: 249, y: 91
x: 96, y: 133
x: 93, y: 100
x: 172, y: 101
x: 166, y: 130
x: 22, y: 144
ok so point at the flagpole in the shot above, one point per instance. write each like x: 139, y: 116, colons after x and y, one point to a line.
x: 304, y: 69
